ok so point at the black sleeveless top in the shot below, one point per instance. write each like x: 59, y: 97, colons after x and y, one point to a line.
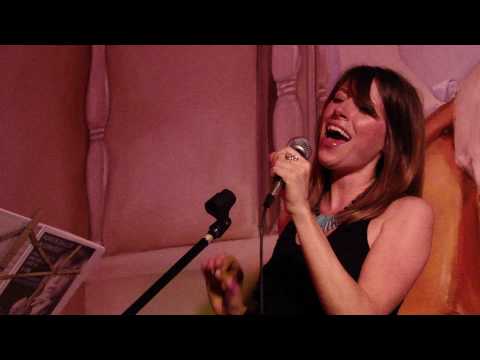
x: 288, y: 288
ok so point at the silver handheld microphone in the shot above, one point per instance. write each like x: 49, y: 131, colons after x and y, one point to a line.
x: 302, y: 146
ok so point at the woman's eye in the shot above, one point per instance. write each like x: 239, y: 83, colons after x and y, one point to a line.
x: 368, y: 111
x: 337, y: 99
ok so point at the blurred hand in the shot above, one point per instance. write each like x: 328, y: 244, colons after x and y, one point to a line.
x: 224, y: 278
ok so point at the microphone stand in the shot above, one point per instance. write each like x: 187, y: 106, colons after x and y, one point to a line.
x: 215, y: 231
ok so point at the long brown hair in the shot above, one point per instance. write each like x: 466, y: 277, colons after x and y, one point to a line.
x: 399, y: 171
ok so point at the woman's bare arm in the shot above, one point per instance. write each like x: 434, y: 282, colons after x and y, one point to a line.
x: 390, y: 269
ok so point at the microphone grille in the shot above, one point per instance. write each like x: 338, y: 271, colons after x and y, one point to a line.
x: 301, y: 145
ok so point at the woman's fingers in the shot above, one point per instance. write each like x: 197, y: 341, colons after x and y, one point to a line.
x: 231, y: 270
x: 281, y: 164
x: 291, y: 171
x: 212, y: 263
x: 236, y: 270
x: 281, y: 155
x: 220, y: 271
x: 226, y: 266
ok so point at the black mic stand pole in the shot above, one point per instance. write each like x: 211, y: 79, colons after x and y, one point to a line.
x: 215, y: 231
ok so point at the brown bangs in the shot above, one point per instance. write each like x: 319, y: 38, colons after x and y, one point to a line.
x: 360, y: 92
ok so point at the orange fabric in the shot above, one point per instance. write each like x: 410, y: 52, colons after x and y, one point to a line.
x: 448, y: 283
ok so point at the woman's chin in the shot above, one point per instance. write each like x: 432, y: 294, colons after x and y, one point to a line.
x: 329, y: 161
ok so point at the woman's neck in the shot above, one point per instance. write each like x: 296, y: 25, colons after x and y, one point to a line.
x: 344, y: 189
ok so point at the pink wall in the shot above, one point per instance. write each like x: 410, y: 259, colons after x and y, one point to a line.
x: 182, y: 127
x: 43, y: 137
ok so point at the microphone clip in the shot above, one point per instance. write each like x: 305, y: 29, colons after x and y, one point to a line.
x: 219, y: 227
x: 219, y: 206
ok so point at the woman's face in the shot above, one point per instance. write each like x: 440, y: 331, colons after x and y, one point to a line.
x: 351, y: 139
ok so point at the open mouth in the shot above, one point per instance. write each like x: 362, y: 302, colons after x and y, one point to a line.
x: 337, y: 133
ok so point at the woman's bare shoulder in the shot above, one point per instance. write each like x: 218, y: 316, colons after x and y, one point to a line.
x: 409, y: 206
x: 403, y: 213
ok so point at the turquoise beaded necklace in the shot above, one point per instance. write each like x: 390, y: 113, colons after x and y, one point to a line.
x: 327, y: 222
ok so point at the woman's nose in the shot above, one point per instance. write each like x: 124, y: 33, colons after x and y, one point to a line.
x: 344, y: 109
x: 340, y: 111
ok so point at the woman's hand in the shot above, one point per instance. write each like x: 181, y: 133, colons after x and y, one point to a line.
x: 296, y: 175
x: 224, y: 278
